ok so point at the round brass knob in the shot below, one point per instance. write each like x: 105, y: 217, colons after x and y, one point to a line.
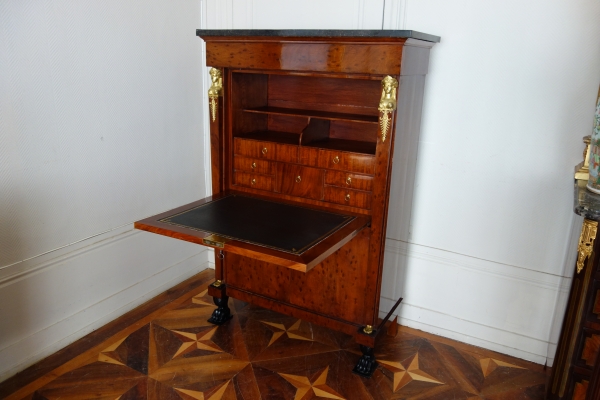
x: 336, y: 160
x: 253, y: 181
x: 264, y: 150
x: 253, y: 165
x: 348, y: 181
x: 298, y: 179
x: 348, y: 197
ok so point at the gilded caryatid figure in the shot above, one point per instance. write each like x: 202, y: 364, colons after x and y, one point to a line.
x: 216, y: 90
x: 387, y: 104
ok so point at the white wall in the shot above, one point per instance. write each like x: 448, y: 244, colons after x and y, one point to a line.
x: 101, y: 124
x: 489, y: 253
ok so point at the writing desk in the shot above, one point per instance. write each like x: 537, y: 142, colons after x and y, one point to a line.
x: 303, y: 125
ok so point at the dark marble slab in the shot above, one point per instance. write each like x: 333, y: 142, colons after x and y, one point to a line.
x: 587, y: 204
x: 308, y: 33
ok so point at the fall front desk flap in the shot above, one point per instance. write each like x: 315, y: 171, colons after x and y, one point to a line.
x: 249, y: 225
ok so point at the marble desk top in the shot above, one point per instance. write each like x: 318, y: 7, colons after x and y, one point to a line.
x: 308, y: 33
x: 587, y: 204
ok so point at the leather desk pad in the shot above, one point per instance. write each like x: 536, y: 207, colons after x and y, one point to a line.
x: 283, y: 227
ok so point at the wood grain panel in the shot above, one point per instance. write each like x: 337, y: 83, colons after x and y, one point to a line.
x: 254, y: 165
x: 308, y: 156
x: 302, y: 181
x: 381, y: 59
x: 248, y: 91
x: 348, y: 180
x: 286, y: 153
x: 353, y: 96
x: 333, y: 287
x: 256, y: 181
x: 286, y: 123
x: 351, y: 130
x: 349, y: 197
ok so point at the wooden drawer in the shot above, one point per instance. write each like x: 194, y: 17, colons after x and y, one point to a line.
x: 302, y: 181
x: 589, y: 346
x: 255, y: 181
x: 348, y: 180
x: 266, y: 150
x: 348, y: 197
x: 254, y: 165
x: 339, y: 160
x: 593, y: 306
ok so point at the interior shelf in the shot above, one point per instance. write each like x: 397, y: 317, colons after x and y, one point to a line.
x: 332, y: 116
x: 274, y: 136
x: 344, y: 145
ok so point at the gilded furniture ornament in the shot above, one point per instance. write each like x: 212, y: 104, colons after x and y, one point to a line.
x: 586, y: 242
x: 216, y: 90
x: 387, y: 104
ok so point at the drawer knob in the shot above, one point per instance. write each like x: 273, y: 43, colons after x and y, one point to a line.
x: 347, y: 197
x: 298, y: 179
x: 336, y: 160
x: 264, y: 150
x: 253, y: 165
x: 348, y: 181
x: 253, y: 181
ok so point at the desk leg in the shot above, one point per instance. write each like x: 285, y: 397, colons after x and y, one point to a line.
x: 222, y: 314
x: 366, y: 365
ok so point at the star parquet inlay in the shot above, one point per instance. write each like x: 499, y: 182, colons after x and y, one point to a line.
x: 259, y: 354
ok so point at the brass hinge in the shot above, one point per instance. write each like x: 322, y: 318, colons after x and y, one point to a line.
x: 215, y: 241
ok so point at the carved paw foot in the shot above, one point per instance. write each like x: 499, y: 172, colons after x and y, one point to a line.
x: 366, y: 365
x: 222, y: 314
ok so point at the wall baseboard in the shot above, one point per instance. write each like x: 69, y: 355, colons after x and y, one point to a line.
x: 471, y: 300
x: 100, y: 280
x: 468, y: 331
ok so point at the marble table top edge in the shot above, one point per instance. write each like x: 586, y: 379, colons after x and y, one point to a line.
x: 362, y: 33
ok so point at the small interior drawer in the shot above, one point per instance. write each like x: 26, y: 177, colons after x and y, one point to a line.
x: 253, y: 165
x: 255, y: 181
x: 302, y: 181
x: 266, y: 150
x: 349, y: 181
x: 345, y: 161
x: 348, y: 197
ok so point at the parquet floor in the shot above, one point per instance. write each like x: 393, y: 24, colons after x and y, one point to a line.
x: 169, y: 351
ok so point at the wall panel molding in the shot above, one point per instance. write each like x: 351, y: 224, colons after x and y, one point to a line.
x: 473, y: 300
x: 505, y: 342
x: 95, y: 289
x: 394, y: 14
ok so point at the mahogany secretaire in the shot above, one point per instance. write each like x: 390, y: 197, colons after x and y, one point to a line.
x: 303, y: 125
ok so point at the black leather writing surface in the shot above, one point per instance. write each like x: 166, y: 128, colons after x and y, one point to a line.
x: 266, y: 223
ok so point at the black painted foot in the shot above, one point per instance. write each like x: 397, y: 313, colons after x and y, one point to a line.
x: 366, y: 365
x: 222, y: 314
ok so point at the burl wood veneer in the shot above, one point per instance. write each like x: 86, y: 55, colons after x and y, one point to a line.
x: 303, y: 126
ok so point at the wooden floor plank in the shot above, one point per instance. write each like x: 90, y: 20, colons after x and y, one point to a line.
x: 166, y: 349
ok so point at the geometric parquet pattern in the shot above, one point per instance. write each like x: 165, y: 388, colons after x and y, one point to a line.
x: 176, y: 354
